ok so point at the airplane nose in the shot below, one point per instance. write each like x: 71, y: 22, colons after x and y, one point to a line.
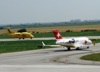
x: 91, y: 42
x: 88, y: 42
x: 32, y: 36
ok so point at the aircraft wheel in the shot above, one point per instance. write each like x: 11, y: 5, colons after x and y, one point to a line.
x: 87, y: 47
x: 68, y: 48
x: 19, y: 38
x: 77, y: 48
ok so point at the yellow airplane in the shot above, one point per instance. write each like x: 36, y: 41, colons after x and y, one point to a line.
x: 19, y: 34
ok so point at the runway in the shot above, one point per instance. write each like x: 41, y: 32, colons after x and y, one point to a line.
x: 49, y: 68
x: 45, y: 56
x: 47, y: 60
x: 54, y: 59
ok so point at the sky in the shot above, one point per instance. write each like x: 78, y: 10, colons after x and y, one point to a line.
x: 42, y: 11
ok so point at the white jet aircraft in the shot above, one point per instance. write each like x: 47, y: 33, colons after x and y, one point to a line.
x: 78, y: 42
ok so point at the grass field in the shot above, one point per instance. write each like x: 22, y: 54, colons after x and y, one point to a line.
x: 23, y: 45
x: 47, y: 31
x: 69, y: 34
x: 60, y: 28
x: 64, y: 34
x: 15, y: 46
x: 92, y: 57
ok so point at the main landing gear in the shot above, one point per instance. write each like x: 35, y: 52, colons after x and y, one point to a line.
x: 77, y: 48
x: 22, y: 38
x: 68, y: 48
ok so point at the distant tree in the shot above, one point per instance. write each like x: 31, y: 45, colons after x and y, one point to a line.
x: 1, y: 28
x: 68, y: 31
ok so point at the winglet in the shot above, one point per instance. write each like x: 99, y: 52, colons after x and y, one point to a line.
x: 43, y: 43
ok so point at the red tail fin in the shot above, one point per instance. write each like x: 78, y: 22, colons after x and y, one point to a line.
x: 57, y: 34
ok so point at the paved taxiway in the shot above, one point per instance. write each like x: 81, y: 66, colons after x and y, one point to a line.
x: 49, y: 68
x: 54, y: 56
x: 47, y: 60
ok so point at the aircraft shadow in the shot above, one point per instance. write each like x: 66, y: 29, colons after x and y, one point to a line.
x: 65, y: 50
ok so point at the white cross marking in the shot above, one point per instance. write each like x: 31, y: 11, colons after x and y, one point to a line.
x: 58, y: 35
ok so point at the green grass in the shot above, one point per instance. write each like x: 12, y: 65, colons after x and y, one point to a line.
x: 15, y: 46
x: 90, y: 33
x: 91, y: 57
x: 24, y: 45
x: 67, y: 34
x: 2, y: 36
x: 96, y: 40
x: 64, y: 34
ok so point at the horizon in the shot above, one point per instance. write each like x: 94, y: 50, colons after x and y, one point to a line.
x: 71, y: 21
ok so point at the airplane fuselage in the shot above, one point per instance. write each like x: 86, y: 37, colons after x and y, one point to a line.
x: 75, y: 42
x: 21, y: 35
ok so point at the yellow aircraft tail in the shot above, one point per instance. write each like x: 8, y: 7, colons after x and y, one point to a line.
x: 9, y: 31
